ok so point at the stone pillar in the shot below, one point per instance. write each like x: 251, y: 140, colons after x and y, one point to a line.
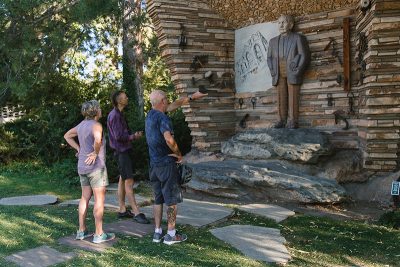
x: 212, y: 119
x: 379, y: 125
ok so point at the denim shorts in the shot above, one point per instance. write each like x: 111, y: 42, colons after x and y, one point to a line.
x: 164, y: 180
x: 97, y: 178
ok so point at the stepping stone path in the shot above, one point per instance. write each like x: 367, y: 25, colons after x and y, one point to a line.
x: 86, y: 244
x: 259, y: 243
x: 196, y: 213
x: 39, y: 257
x: 34, y: 200
x: 111, y: 201
x: 273, y: 212
x: 129, y: 227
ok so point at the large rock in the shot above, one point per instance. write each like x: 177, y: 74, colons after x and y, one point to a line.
x: 345, y: 167
x: 274, y: 180
x: 376, y: 189
x: 304, y: 145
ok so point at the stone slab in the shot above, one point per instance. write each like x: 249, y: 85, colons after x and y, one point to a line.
x: 33, y: 200
x: 259, y: 243
x: 86, y: 244
x: 111, y: 201
x: 196, y: 213
x: 270, y: 211
x: 129, y: 227
x: 39, y: 257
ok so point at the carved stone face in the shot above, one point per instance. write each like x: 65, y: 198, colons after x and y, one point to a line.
x: 285, y: 24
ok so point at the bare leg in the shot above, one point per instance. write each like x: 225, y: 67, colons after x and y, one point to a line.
x: 83, y: 206
x: 158, y: 210
x: 171, y: 216
x: 98, y: 210
x: 121, y: 195
x: 131, y: 196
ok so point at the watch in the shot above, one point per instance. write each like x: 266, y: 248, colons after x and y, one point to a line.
x: 190, y: 98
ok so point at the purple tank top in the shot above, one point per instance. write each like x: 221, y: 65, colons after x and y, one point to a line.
x: 86, y: 144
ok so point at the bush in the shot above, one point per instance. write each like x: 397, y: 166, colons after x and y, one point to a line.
x: 390, y: 219
x: 9, y: 149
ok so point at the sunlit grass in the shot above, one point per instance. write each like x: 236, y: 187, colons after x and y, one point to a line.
x: 311, y: 241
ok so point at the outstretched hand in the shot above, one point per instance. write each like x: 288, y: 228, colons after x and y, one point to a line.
x: 198, y: 95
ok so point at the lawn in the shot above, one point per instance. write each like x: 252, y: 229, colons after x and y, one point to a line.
x: 311, y: 241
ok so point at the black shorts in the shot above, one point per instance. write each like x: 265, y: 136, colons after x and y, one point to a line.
x: 164, y: 180
x: 125, y: 164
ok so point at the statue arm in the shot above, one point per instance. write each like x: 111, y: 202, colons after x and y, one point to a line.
x: 304, y: 51
x: 269, y: 59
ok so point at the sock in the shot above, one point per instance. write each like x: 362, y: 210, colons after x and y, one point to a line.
x: 158, y: 230
x: 172, y: 233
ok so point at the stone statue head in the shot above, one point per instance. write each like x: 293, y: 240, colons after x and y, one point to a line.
x: 285, y: 23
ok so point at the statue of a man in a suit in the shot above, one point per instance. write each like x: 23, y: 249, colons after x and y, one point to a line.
x: 288, y: 58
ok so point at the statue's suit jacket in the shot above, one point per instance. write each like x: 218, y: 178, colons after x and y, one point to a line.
x: 297, y: 54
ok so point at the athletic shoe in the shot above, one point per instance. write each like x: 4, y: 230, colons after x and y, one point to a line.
x: 80, y: 235
x: 141, y: 218
x: 169, y: 240
x: 157, y: 237
x: 104, y: 237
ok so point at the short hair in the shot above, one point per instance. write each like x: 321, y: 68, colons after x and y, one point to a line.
x: 114, y: 97
x: 90, y: 109
x: 156, y: 97
x: 288, y: 18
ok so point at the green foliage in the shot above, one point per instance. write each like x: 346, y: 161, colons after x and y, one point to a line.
x: 9, y: 149
x: 390, y: 219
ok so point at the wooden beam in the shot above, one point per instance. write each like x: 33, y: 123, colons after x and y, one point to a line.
x: 346, y: 54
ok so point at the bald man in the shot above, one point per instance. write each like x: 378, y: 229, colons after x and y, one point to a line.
x: 164, y: 154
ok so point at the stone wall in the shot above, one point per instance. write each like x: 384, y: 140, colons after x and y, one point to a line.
x: 375, y: 91
x: 211, y: 120
x: 379, y: 126
x: 240, y: 13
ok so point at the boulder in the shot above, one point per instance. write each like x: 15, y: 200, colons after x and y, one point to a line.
x: 273, y: 179
x: 376, y: 189
x: 302, y: 145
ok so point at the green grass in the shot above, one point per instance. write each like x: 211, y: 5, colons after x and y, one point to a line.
x: 312, y: 241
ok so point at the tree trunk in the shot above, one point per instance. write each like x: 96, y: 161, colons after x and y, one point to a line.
x: 132, y: 53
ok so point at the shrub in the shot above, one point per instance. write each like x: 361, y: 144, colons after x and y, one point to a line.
x: 391, y: 219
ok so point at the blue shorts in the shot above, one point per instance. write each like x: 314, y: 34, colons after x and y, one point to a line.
x: 164, y: 180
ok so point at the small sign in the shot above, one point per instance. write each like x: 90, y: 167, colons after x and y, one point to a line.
x: 395, y: 188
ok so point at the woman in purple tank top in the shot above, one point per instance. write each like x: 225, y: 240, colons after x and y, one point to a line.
x: 91, y: 169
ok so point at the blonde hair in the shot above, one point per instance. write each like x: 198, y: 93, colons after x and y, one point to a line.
x: 90, y: 109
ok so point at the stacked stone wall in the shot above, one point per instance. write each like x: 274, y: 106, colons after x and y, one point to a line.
x: 240, y: 13
x: 380, y: 94
x: 211, y: 120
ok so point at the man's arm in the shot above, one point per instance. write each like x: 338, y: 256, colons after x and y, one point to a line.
x: 169, y: 139
x: 116, y: 126
x: 183, y: 101
x: 70, y: 138
x: 98, y: 135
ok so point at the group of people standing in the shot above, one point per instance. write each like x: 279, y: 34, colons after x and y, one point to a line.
x: 163, y: 151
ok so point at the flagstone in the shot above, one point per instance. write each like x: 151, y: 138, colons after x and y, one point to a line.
x: 270, y: 211
x: 39, y: 257
x: 86, y: 244
x: 196, y: 213
x: 33, y: 200
x: 259, y: 243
